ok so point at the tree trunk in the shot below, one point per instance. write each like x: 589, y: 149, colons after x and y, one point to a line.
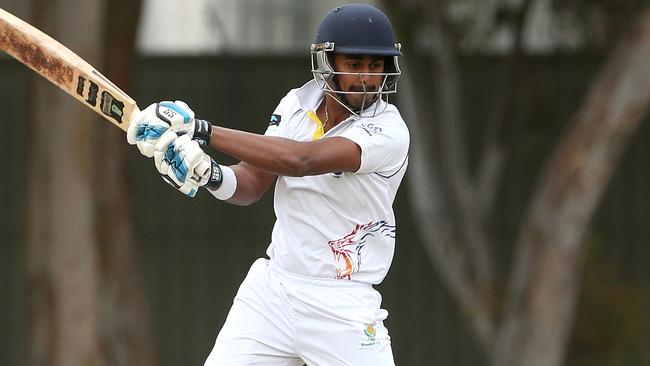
x: 85, y: 298
x: 546, y: 276
x: 442, y: 194
x: 538, y: 306
x: 61, y: 241
x: 126, y: 332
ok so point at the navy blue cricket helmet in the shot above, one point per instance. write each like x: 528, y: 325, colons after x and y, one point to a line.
x: 358, y: 29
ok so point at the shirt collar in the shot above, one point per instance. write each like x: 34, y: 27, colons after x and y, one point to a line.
x: 309, y: 96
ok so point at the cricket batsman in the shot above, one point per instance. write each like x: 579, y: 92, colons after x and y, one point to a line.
x: 336, y: 150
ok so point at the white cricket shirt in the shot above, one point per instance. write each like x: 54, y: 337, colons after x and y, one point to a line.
x: 338, y: 225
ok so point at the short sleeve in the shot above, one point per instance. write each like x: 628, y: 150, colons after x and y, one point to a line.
x: 276, y: 127
x: 384, y: 143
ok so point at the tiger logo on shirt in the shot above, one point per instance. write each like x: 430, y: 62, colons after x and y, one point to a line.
x: 348, y: 250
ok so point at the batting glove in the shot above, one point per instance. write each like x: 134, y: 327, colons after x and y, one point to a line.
x: 182, y: 121
x: 184, y: 165
x: 145, y: 129
x: 147, y: 126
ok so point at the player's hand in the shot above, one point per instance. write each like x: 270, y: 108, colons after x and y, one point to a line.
x: 184, y: 165
x: 198, y: 129
x: 147, y: 126
x: 145, y: 129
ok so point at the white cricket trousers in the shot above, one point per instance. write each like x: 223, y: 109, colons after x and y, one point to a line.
x: 282, y: 319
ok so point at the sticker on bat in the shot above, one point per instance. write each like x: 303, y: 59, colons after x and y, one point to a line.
x: 109, y: 105
x: 92, y: 90
x: 112, y: 107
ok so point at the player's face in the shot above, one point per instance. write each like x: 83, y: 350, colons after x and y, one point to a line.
x: 354, y: 82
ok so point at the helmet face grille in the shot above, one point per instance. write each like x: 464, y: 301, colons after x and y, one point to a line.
x: 325, y: 77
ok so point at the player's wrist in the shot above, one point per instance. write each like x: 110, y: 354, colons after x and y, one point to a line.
x: 215, y: 179
x: 202, y: 132
x: 228, y: 185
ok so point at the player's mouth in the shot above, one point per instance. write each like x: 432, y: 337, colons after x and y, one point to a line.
x: 361, y: 89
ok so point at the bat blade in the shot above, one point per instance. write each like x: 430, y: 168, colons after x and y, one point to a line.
x: 64, y: 68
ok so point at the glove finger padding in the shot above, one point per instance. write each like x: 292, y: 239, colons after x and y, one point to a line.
x: 145, y: 129
x: 164, y: 150
x: 203, y: 170
x: 189, y: 188
x: 191, y: 155
x: 183, y: 163
x: 177, y: 157
x: 132, y: 131
x: 169, y: 162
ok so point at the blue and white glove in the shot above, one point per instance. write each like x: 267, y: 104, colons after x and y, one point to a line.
x: 184, y: 165
x: 150, y: 124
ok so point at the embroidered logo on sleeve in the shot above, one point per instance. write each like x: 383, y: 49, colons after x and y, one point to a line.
x: 275, y: 120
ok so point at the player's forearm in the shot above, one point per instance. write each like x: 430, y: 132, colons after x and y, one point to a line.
x: 252, y: 183
x: 275, y: 155
x: 244, y: 195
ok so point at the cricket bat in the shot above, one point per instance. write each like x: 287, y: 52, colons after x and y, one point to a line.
x: 64, y: 68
